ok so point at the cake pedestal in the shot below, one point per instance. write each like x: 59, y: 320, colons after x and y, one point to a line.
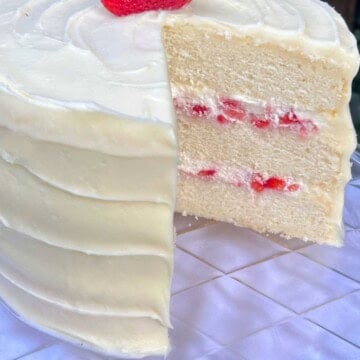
x: 240, y: 295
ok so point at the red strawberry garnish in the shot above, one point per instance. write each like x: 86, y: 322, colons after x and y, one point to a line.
x: 127, y: 7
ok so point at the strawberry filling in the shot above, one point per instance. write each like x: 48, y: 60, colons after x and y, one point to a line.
x: 255, y: 181
x: 227, y: 111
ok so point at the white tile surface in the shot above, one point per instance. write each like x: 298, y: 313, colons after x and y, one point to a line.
x: 17, y: 338
x: 345, y: 260
x: 224, y: 354
x: 62, y: 351
x: 342, y: 317
x: 227, y: 247
x: 190, y: 271
x: 188, y: 343
x: 226, y: 310
x: 296, y: 282
x: 296, y: 339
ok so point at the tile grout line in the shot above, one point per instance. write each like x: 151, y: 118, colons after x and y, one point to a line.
x: 331, y: 332
x: 330, y: 301
x: 267, y: 296
x: 274, y: 256
x: 50, y: 344
x: 328, y: 267
x: 199, y: 284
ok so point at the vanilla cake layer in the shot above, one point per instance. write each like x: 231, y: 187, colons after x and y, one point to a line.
x: 291, y: 215
x: 248, y: 63
x: 320, y: 159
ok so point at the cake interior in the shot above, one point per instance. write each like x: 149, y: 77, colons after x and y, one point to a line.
x: 263, y: 132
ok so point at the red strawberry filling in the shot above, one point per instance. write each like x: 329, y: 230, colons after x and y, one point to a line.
x: 127, y: 7
x: 255, y: 181
x: 227, y: 111
x: 206, y: 173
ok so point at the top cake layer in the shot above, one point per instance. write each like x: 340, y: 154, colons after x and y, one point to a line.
x: 74, y: 55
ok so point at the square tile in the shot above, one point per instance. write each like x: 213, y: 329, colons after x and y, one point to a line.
x: 345, y: 260
x: 18, y: 341
x: 226, y: 310
x: 17, y: 338
x: 187, y: 343
x: 228, y: 247
x: 342, y: 317
x: 296, y: 339
x: 352, y: 238
x: 351, y: 207
x: 7, y: 318
x: 190, y: 271
x: 185, y: 224
x: 224, y: 354
x: 296, y: 282
x: 62, y: 351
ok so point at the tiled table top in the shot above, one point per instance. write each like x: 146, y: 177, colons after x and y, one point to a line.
x: 239, y: 295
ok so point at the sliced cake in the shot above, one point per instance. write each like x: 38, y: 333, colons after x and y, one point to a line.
x: 262, y: 105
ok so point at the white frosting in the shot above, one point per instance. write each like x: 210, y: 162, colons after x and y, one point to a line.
x: 87, y: 124
x: 126, y: 337
x: 90, y: 173
x: 23, y: 260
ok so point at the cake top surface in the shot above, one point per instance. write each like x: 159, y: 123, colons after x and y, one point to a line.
x: 75, y: 54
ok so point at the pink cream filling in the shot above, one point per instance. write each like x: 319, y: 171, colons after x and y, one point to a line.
x: 227, y: 111
x: 254, y: 181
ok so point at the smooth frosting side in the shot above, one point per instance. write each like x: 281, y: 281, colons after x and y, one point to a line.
x: 125, y: 337
x: 139, y: 284
x: 90, y: 173
x: 88, y: 225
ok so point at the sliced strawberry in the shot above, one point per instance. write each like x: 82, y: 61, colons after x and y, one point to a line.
x: 257, y: 183
x: 289, y: 118
x: 199, y: 110
x: 260, y: 123
x: 127, y: 7
x: 236, y: 114
x: 221, y: 119
x: 275, y: 183
x: 207, y: 172
x: 293, y: 187
x: 227, y: 103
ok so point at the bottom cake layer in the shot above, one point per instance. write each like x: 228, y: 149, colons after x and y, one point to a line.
x: 120, y: 337
x: 302, y: 215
